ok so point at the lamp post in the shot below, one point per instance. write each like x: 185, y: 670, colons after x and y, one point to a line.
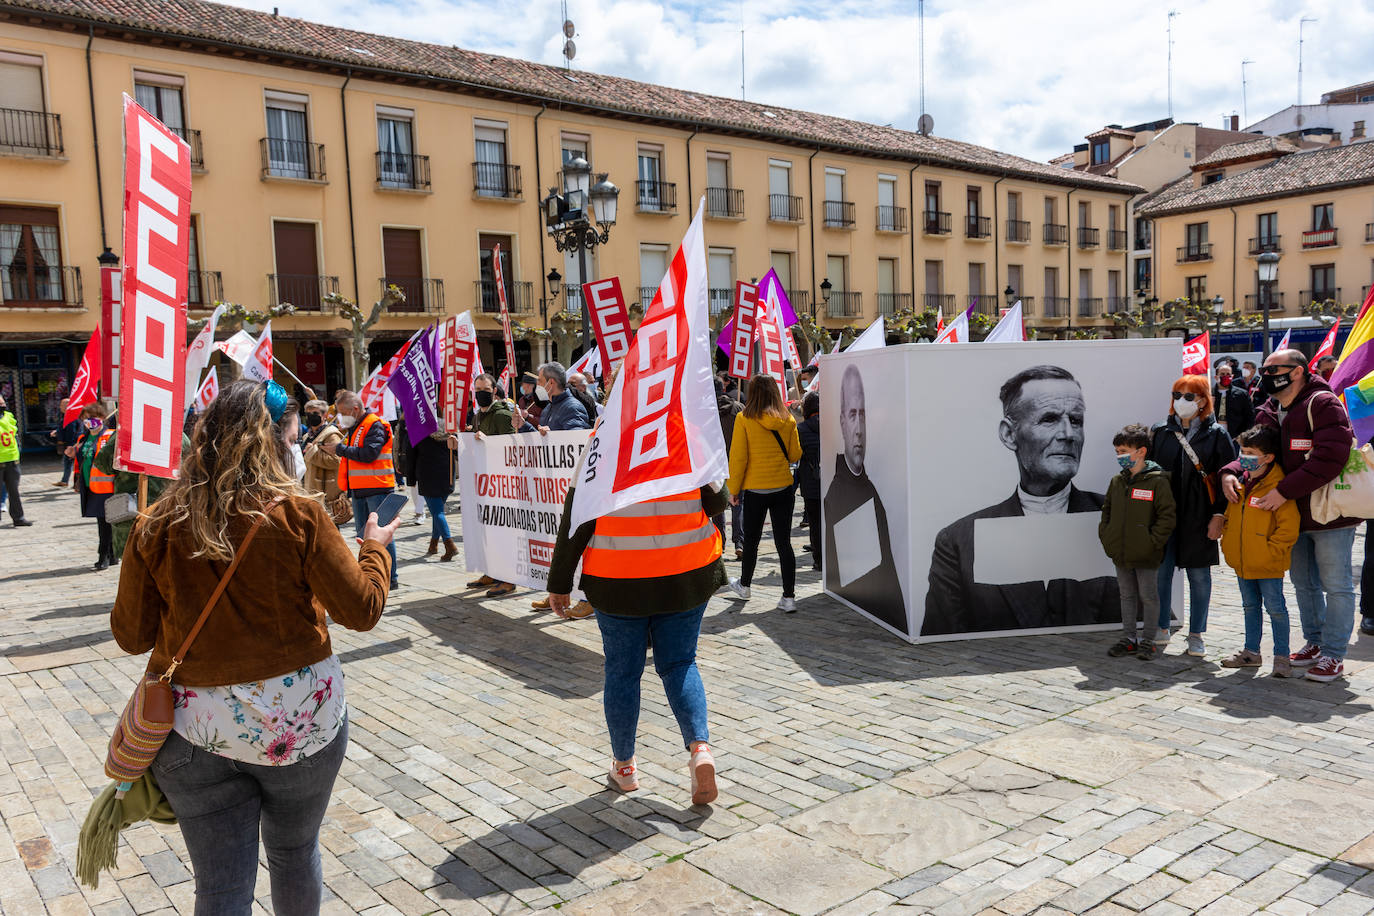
x: 1009, y: 295
x: 1268, y: 275
x: 579, y: 219
x: 554, y: 279
x: 826, y: 287
x: 1218, y: 304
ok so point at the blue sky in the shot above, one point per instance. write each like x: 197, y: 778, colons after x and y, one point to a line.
x: 1027, y: 78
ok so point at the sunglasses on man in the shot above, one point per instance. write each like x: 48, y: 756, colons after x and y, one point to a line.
x: 1279, y: 368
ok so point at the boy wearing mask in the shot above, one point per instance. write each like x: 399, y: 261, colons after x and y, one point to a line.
x: 1137, y: 518
x: 1258, y: 545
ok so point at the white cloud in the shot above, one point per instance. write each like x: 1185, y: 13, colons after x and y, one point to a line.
x: 1027, y: 78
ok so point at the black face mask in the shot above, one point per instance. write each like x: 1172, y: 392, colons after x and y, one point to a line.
x: 484, y: 398
x: 313, y: 419
x: 1273, y: 384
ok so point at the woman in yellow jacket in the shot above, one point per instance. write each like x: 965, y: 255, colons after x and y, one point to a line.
x: 762, y: 450
x: 1258, y: 544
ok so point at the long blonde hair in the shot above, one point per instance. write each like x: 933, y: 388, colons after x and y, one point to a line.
x: 236, y: 465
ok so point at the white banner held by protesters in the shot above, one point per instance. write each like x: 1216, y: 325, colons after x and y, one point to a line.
x: 260, y: 362
x: 660, y: 433
x: 513, y: 489
x: 199, y: 352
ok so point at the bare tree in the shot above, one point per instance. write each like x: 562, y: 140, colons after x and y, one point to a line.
x: 361, y: 324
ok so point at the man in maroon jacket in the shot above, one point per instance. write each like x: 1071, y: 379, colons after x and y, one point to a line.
x: 1316, y: 436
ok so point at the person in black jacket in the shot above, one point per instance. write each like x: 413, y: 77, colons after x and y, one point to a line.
x: 1234, y: 408
x: 728, y: 407
x: 431, y: 468
x: 1197, y: 493
x: 809, y: 471
x: 63, y: 438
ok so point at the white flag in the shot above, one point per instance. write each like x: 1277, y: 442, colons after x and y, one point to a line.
x: 956, y: 331
x: 259, y: 364
x: 873, y: 338
x: 660, y: 433
x: 1009, y: 329
x: 198, y: 355
x: 238, y: 347
x: 589, y: 363
x: 206, y: 392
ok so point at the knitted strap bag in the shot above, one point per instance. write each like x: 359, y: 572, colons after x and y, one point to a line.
x: 147, y: 719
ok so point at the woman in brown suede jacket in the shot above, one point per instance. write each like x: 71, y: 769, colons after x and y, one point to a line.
x: 260, y: 724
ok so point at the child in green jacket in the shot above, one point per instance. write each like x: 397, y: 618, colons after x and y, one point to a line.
x: 1137, y: 518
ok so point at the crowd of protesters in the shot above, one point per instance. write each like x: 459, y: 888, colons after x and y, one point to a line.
x: 1229, y: 471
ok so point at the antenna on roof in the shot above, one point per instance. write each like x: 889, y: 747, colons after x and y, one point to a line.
x: 1170, y: 30
x: 1244, y: 108
x: 569, y: 46
x: 1301, y: 22
x: 741, y: 50
x: 925, y: 123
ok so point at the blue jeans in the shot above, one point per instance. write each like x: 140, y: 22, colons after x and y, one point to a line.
x: 625, y: 640
x: 67, y: 470
x: 1199, y: 591
x: 222, y: 804
x: 1258, y: 596
x: 1325, y: 588
x: 438, y: 522
x: 362, y: 508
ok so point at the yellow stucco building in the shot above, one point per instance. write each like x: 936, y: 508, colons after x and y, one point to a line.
x: 329, y: 160
x: 1312, y: 208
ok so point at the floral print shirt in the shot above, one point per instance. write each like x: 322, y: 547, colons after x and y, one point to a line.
x: 269, y: 723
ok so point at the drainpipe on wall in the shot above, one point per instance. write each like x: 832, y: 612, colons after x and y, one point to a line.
x: 911, y: 195
x: 1068, y: 270
x: 691, y: 202
x: 543, y: 272
x: 811, y: 190
x: 1235, y: 256
x: 95, y: 139
x: 348, y: 183
x: 997, y: 249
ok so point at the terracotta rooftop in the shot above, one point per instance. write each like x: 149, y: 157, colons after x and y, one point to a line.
x: 301, y: 43
x: 1246, y: 149
x: 1295, y: 173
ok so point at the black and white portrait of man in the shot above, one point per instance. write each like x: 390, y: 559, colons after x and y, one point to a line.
x: 859, y: 562
x: 1042, y: 423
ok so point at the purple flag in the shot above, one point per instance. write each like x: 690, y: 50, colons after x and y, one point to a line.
x: 415, y: 384
x: 789, y: 317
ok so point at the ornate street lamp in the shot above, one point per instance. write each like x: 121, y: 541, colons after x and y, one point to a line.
x: 1268, y: 276
x: 579, y: 219
x: 1009, y: 294
x: 1217, y: 305
x: 826, y: 287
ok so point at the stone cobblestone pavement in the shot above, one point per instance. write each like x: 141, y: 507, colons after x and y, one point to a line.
x: 859, y: 775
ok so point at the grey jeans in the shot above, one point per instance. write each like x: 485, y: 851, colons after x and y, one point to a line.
x: 1139, y: 601
x: 222, y: 804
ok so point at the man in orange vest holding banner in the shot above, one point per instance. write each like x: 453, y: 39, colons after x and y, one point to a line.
x: 366, y: 472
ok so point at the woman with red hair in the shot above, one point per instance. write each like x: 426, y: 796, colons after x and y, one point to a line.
x: 1192, y: 447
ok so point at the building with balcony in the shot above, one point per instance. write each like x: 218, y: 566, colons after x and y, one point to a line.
x: 1312, y: 208
x: 332, y: 161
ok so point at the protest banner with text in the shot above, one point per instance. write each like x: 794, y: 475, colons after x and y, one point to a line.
x: 512, y: 490
x: 742, y: 338
x: 157, y: 215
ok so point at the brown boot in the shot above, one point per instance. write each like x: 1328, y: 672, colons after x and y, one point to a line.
x: 450, y: 550
x: 433, y: 547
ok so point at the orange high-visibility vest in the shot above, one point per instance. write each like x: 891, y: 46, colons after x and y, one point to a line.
x: 373, y: 475
x: 660, y: 537
x: 101, y: 482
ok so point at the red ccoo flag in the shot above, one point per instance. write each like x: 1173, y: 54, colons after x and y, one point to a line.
x: 1197, y: 354
x: 1328, y: 347
x: 87, y: 378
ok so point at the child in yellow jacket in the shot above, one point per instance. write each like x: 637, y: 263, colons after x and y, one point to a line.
x: 1258, y: 545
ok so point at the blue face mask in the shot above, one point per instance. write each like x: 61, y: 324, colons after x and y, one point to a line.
x: 1126, y: 462
x: 1249, y: 463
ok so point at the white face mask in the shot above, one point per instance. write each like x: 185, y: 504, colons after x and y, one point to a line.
x: 346, y: 421
x: 541, y: 392
x: 1186, y: 410
x: 298, y: 460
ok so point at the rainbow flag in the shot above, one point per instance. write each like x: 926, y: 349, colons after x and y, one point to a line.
x: 1357, y: 356
x: 1359, y: 402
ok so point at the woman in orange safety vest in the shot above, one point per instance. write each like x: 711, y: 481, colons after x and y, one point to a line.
x: 648, y: 570
x: 94, y: 485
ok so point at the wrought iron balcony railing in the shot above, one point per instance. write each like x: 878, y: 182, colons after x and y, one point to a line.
x: 496, y: 179
x: 725, y: 203
x: 424, y: 296
x: 305, y: 291
x: 298, y: 159
x: 33, y: 133
x: 402, y: 171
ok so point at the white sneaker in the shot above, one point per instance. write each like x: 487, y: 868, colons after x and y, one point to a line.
x: 788, y: 605
x: 739, y: 591
x: 417, y: 519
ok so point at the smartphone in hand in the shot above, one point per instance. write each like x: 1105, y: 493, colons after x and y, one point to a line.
x: 390, y: 508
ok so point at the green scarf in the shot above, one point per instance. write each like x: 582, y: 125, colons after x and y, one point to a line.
x: 98, y: 844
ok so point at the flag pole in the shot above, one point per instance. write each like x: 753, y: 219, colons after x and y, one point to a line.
x: 142, y: 493
x: 277, y: 365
